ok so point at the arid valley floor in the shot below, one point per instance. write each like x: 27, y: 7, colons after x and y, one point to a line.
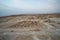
x: 30, y: 27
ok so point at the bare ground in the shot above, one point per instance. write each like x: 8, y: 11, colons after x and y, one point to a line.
x: 30, y: 27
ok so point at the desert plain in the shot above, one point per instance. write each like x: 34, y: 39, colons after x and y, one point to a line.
x: 30, y: 27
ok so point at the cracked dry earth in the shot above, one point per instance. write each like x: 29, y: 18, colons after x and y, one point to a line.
x: 30, y: 27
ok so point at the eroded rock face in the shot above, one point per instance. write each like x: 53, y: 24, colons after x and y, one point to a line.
x: 30, y: 28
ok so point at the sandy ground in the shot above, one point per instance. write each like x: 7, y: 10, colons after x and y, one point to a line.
x: 29, y: 28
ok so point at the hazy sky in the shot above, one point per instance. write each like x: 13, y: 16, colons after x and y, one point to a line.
x: 9, y: 7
